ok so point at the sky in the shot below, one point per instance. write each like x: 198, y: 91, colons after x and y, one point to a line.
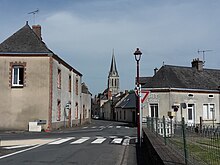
x: 85, y: 32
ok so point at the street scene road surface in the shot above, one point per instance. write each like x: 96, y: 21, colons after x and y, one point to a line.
x: 102, y: 142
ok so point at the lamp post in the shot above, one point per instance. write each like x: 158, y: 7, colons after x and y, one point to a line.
x: 137, y: 55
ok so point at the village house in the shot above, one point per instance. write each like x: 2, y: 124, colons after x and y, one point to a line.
x: 38, y: 86
x: 189, y: 92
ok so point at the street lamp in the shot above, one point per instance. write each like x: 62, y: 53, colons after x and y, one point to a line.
x: 137, y: 55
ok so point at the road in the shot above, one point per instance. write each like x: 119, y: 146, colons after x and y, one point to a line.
x: 100, y: 143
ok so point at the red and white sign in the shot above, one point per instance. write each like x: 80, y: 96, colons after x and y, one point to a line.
x: 144, y: 95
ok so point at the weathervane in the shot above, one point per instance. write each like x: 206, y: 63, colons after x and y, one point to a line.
x: 34, y: 12
x: 203, y: 54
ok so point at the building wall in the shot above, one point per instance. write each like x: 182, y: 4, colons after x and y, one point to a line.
x: 61, y: 94
x: 18, y: 106
x: 165, y: 101
x: 106, y: 109
x: 86, y: 107
x: 125, y: 115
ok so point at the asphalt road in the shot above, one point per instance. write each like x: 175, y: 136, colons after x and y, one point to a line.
x: 100, y: 143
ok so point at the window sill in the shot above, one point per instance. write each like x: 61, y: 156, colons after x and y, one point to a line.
x: 17, y: 86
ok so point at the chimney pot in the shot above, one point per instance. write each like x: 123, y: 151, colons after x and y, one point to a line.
x: 37, y: 30
x: 198, y: 64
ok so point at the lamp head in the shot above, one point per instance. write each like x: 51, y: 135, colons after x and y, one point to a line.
x: 137, y: 54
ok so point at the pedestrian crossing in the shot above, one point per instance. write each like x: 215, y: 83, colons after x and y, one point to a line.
x: 125, y: 141
x: 109, y: 127
x: 96, y: 140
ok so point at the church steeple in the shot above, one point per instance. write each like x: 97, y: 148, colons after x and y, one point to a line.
x: 113, y: 70
x: 113, y: 77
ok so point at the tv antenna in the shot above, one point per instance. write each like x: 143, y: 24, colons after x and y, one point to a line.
x: 34, y: 12
x: 203, y: 54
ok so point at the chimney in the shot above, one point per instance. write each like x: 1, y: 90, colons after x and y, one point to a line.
x: 196, y: 63
x: 37, y: 30
x: 155, y: 70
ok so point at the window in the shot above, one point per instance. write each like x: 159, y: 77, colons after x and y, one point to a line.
x: 58, y: 110
x: 190, y: 95
x: 59, y: 79
x: 154, y: 110
x: 191, y: 113
x: 208, y: 111
x: 18, y: 76
x: 211, y: 96
x: 76, y: 111
x: 77, y: 86
x: 69, y: 83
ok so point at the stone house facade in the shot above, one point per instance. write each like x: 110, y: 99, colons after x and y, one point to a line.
x: 36, y: 84
x: 189, y: 92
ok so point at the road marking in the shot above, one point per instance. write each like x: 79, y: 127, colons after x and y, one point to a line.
x: 110, y: 127
x: 118, y: 126
x: 99, y: 141
x: 18, y: 152
x: 112, y: 137
x: 102, y: 127
x: 84, y: 127
x: 81, y: 140
x: 127, y: 127
x: 61, y: 141
x: 126, y: 142
x: 19, y: 146
x: 94, y: 127
x: 117, y: 141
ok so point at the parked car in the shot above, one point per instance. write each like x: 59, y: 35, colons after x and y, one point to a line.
x: 96, y: 117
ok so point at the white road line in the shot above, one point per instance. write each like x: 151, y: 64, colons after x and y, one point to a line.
x: 127, y: 127
x: 118, y: 126
x: 117, y: 141
x: 84, y: 127
x: 110, y: 127
x: 99, y: 141
x: 18, y: 152
x: 18, y: 146
x: 61, y: 141
x: 94, y: 127
x: 79, y: 141
x: 126, y: 142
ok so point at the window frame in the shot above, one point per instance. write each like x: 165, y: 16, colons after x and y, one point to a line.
x: 13, y: 65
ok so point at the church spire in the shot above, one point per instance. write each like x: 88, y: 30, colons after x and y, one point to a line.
x: 113, y: 69
x: 113, y: 77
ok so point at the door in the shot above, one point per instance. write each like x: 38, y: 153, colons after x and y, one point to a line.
x: 191, y: 114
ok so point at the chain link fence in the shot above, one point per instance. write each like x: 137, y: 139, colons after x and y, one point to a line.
x: 197, y: 144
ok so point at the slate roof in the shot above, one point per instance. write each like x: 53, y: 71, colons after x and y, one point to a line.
x: 184, y: 77
x: 24, y: 41
x: 129, y: 102
x: 113, y: 70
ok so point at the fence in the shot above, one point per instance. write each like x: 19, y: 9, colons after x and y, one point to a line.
x: 198, y: 145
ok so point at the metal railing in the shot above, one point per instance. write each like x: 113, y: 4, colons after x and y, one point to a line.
x: 198, y: 145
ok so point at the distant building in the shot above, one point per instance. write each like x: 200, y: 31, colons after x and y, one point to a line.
x: 190, y: 92
x: 37, y: 85
x: 112, y: 90
x: 113, y: 78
